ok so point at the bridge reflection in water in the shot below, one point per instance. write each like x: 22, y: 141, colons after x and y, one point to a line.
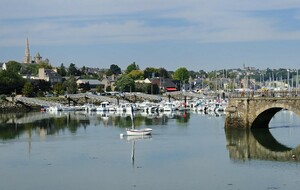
x: 258, y: 144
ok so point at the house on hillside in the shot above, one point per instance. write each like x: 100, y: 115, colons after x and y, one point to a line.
x: 145, y: 81
x: 91, y: 84
x: 109, y: 81
x: 165, y: 84
x: 49, y: 75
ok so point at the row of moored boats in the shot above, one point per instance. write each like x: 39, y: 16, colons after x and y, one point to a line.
x: 202, y: 105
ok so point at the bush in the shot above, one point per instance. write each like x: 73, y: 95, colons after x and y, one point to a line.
x: 2, y: 98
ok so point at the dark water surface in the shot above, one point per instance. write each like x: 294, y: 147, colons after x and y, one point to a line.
x: 186, y: 151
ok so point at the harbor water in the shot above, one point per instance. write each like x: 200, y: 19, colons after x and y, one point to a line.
x: 77, y: 150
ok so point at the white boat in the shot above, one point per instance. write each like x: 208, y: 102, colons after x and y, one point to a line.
x: 89, y: 107
x: 148, y: 107
x: 124, y: 107
x: 55, y: 108
x: 105, y: 106
x: 60, y: 107
x: 67, y: 108
x: 137, y: 132
x: 169, y: 107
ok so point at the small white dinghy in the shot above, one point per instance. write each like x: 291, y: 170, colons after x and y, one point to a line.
x: 137, y: 132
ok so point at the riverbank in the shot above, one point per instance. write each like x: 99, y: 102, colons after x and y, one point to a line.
x: 8, y: 105
x: 12, y: 107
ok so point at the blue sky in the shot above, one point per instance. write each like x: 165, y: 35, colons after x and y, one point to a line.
x: 196, y: 34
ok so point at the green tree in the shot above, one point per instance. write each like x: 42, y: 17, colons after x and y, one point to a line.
x: 232, y: 75
x: 31, y: 69
x: 73, y: 71
x: 84, y: 87
x: 99, y: 88
x: 13, y: 66
x: 193, y: 74
x: 62, y: 70
x: 132, y: 67
x: 163, y: 73
x: 41, y: 85
x: 27, y: 89
x: 70, y: 85
x: 212, y: 75
x: 181, y: 74
x: 145, y: 88
x: 212, y: 85
x: 108, y: 89
x: 136, y: 75
x: 160, y: 72
x: 115, y: 69
x: 150, y: 72
x: 10, y: 82
x: 45, y: 65
x: 58, y: 89
x: 40, y: 93
x: 84, y: 70
x: 125, y: 84
x: 202, y: 74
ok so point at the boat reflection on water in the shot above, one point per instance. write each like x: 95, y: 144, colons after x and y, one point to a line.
x: 133, y: 139
x: 258, y: 144
x: 14, y: 124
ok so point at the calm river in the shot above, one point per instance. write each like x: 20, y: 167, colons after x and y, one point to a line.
x: 77, y: 151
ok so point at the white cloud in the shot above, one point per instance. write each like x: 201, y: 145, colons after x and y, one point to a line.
x: 119, y: 21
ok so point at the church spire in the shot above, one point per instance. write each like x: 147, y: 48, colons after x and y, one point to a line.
x: 27, y: 57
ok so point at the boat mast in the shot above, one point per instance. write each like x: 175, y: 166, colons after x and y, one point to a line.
x: 132, y: 117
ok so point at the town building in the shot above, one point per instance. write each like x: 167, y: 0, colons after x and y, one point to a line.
x: 49, y: 75
x: 91, y: 84
x: 2, y: 66
x: 109, y: 81
x: 38, y: 58
x: 145, y: 81
x: 27, y: 56
x: 27, y: 59
x: 164, y: 84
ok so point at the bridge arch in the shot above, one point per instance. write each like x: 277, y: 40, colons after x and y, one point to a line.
x: 263, y: 119
x: 258, y: 112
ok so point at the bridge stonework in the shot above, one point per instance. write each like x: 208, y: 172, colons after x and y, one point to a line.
x: 255, y: 112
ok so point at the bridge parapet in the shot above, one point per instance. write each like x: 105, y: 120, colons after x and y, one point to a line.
x: 266, y: 93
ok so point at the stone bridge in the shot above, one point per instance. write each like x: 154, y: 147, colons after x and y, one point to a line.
x: 256, y: 112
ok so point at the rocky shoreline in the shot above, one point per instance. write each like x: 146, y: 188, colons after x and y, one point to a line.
x: 11, y: 107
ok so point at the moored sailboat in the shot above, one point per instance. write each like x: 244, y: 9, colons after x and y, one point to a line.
x: 137, y: 132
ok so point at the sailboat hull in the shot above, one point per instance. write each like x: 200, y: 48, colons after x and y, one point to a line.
x: 139, y: 132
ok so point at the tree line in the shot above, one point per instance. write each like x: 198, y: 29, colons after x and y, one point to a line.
x: 11, y: 80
